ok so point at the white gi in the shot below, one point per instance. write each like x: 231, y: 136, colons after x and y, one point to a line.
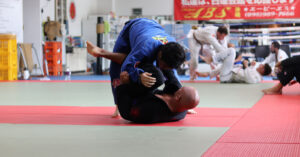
x: 272, y: 57
x: 208, y: 38
x: 231, y: 74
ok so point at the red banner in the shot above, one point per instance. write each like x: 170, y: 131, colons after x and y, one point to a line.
x: 235, y: 9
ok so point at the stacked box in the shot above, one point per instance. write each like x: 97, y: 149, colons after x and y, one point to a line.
x: 53, y: 55
x: 8, y: 57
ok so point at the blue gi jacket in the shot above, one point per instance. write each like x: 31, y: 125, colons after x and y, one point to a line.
x: 145, y: 37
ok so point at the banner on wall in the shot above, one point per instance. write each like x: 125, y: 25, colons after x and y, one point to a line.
x: 235, y: 9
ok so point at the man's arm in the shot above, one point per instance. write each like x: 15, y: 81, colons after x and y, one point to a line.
x: 117, y: 57
x: 130, y: 65
x: 134, y: 89
x: 172, y: 84
x: 282, y: 55
x: 95, y: 51
x: 269, y: 59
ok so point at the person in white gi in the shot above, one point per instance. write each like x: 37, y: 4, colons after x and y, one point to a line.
x: 276, y: 55
x: 230, y: 74
x: 209, y: 40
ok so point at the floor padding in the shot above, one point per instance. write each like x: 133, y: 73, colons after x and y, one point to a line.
x: 206, y: 117
x: 270, y: 128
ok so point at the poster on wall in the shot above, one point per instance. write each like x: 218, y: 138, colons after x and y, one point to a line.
x: 235, y: 9
x: 11, y: 18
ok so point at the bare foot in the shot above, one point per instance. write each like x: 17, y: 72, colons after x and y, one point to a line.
x: 192, y: 77
x: 272, y: 91
x: 116, y: 114
x: 207, y: 59
x: 94, y: 50
x: 193, y: 74
x: 202, y: 74
x: 191, y: 111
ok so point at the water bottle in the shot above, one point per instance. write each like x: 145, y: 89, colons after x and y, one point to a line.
x: 26, y: 74
x: 68, y: 74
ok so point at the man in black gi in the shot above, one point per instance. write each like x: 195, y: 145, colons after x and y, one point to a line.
x: 140, y: 104
x: 287, y: 70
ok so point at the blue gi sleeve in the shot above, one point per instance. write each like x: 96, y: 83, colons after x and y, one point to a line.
x: 139, y: 54
x: 130, y: 66
x: 130, y: 63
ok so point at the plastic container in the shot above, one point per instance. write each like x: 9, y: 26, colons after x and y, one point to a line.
x: 55, y: 70
x: 8, y: 74
x: 53, y: 56
x: 8, y: 57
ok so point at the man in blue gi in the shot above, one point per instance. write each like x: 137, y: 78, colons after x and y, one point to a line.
x: 141, y: 41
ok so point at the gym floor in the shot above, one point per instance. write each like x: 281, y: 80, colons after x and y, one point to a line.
x: 38, y: 119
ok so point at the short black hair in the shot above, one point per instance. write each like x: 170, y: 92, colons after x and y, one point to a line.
x: 276, y: 44
x: 172, y: 54
x: 267, y: 70
x: 222, y: 30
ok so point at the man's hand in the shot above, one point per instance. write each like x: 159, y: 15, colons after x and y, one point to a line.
x: 245, y: 63
x: 124, y: 77
x: 94, y: 50
x: 278, y: 64
x: 230, y: 45
x: 147, y: 80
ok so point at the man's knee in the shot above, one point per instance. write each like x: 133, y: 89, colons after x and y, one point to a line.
x: 285, y: 77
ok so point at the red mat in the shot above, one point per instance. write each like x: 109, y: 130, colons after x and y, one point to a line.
x: 60, y: 81
x: 108, y: 81
x: 292, y: 90
x: 270, y: 128
x: 206, y: 117
x: 98, y: 81
x: 254, y: 150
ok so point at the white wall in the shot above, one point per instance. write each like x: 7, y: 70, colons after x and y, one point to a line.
x: 11, y: 18
x: 105, y: 6
x: 150, y: 7
x: 84, y: 8
x: 48, y: 7
x: 33, y: 25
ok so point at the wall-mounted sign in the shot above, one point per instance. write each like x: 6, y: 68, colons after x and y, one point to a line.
x: 235, y: 9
